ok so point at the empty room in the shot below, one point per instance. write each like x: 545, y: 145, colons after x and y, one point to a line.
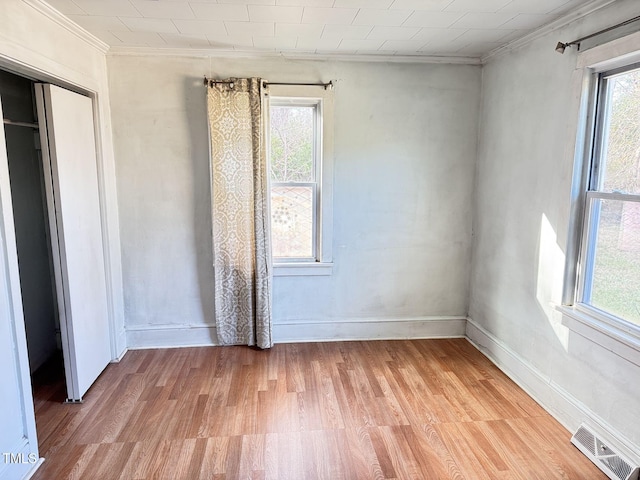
x: 320, y: 239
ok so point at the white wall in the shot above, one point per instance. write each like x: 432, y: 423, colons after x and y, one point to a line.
x: 33, y: 43
x: 520, y: 232
x: 405, y: 140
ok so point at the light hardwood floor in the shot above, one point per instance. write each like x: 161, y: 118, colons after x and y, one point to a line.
x: 419, y: 409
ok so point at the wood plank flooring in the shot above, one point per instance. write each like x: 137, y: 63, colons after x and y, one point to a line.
x: 419, y: 409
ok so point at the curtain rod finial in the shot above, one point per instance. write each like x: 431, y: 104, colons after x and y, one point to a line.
x: 560, y: 47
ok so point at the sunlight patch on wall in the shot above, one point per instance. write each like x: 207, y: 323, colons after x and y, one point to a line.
x: 549, y: 283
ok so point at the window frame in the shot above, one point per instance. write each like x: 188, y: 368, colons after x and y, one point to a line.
x: 322, y: 100
x: 594, y: 190
x: 614, y: 333
x: 316, y: 169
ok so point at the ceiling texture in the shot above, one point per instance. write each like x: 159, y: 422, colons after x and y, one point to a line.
x: 419, y: 28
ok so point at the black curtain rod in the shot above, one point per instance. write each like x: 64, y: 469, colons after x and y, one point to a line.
x: 328, y: 85
x: 560, y: 47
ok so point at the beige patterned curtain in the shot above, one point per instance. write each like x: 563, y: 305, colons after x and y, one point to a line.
x: 240, y: 212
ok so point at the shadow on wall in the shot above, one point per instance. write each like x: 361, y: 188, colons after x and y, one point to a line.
x: 196, y: 120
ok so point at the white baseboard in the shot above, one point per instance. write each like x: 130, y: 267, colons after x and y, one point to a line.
x: 119, y: 358
x: 294, y: 331
x: 563, y: 406
x: 170, y: 336
x: 369, y: 329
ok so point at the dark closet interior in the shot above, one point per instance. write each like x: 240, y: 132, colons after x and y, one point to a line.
x: 31, y: 221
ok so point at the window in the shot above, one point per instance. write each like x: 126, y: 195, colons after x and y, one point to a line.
x: 609, y: 275
x: 295, y: 158
x: 300, y: 144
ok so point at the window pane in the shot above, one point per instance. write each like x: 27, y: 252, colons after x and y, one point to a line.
x: 292, y: 144
x: 615, y: 286
x: 621, y: 157
x: 292, y: 221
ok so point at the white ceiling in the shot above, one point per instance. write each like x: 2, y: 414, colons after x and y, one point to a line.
x: 469, y: 28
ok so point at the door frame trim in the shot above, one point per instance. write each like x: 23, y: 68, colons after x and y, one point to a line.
x: 106, y: 185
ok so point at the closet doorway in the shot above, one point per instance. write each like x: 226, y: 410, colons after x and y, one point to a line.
x: 51, y: 157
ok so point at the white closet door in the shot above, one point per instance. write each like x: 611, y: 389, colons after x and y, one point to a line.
x: 74, y: 212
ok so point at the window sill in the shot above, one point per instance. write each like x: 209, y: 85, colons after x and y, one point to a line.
x: 621, y: 339
x: 302, y: 269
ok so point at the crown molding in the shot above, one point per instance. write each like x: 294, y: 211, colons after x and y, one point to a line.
x: 435, y: 59
x: 257, y: 55
x: 575, y: 14
x: 69, y: 25
x: 57, y: 17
